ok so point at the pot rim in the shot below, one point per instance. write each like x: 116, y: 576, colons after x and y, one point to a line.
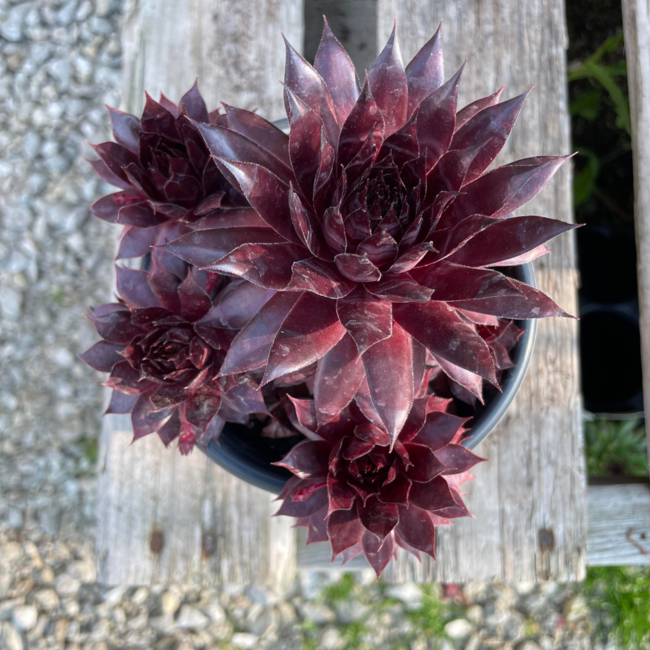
x: 228, y: 452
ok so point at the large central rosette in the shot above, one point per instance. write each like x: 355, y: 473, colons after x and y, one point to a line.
x: 377, y: 230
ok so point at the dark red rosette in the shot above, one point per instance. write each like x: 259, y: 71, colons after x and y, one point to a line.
x: 351, y: 487
x: 169, y: 183
x: 163, y: 345
x: 383, y: 225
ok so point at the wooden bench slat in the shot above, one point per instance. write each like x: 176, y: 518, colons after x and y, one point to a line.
x: 236, y: 50
x: 534, y: 482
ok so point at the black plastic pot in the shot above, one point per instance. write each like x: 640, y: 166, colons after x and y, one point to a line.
x: 242, y: 452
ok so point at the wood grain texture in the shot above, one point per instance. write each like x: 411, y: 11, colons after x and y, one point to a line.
x: 529, y: 499
x: 163, y: 517
x: 636, y: 24
x: 618, y: 531
x: 619, y: 525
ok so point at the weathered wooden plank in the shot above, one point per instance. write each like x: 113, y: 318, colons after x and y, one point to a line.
x: 619, y: 525
x: 529, y: 500
x: 163, y: 517
x: 618, y: 531
x: 636, y: 23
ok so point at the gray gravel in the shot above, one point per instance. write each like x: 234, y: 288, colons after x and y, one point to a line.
x: 60, y: 64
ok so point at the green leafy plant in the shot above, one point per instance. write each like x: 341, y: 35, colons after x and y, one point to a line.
x: 615, y: 447
x: 623, y: 594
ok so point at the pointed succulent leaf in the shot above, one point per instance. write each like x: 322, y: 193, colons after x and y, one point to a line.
x: 357, y: 268
x: 437, y: 326
x: 307, y: 458
x: 267, y: 194
x: 508, y: 238
x: 465, y: 114
x: 126, y: 129
x: 132, y: 285
x: 309, y: 331
x: 425, y: 72
x: 304, y: 149
x: 266, y: 265
x: 532, y: 303
x: 502, y: 190
x: 338, y: 376
x: 416, y: 529
x: 103, y: 356
x: 388, y: 85
x: 436, y: 118
x: 344, y: 530
x: 251, y: 347
x: 458, y: 457
x: 302, y: 80
x: 433, y: 495
x: 334, y: 65
x: 193, y: 105
x: 468, y: 380
x: 425, y: 465
x: 203, y: 248
x: 438, y: 430
x: 451, y: 281
x: 308, y: 228
x: 364, y: 122
x: 377, y: 517
x: 320, y: 277
x: 195, y: 302
x: 388, y: 364
x: 237, y: 304
x: 367, y: 319
x: 490, y: 128
x: 400, y: 288
x: 316, y: 501
x: 264, y: 133
x: 378, y: 553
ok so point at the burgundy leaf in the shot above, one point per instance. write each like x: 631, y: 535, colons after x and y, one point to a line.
x: 302, y: 80
x: 364, y: 122
x: 416, y: 529
x: 458, y: 457
x: 341, y: 495
x: 532, y: 303
x: 344, y: 530
x: 320, y: 277
x: 136, y: 242
x: 436, y: 326
x: 388, y: 365
x: 228, y: 145
x: 146, y: 418
x: 231, y: 218
x: 465, y: 114
x: 335, y: 66
x: 378, y: 553
x: 377, y: 517
x: 309, y: 331
x: 267, y: 194
x: 380, y: 247
x: 250, y: 349
x: 121, y: 402
x: 194, y: 301
x: 436, y: 119
x: 103, y: 171
x: 194, y: 105
x: 266, y: 265
x: 263, y: 133
x: 141, y: 215
x: 308, y: 228
x: 116, y: 327
x: 315, y: 502
x: 126, y: 129
x: 531, y: 255
x: 433, y: 495
x: 367, y: 319
x: 425, y: 464
x: 357, y: 268
x: 438, y: 430
x: 302, y: 414
x: 426, y: 72
x: 203, y: 405
x: 307, y: 458
x: 334, y: 230
x: 115, y: 157
x: 103, y: 356
x: 132, y: 285
x: 508, y: 238
x: 468, y: 380
x: 237, y: 304
x: 203, y: 248
x: 388, y: 85
x: 338, y: 376
x: 455, y: 282
x: 396, y: 491
x: 304, y: 149
x: 490, y: 128
x: 400, y: 288
x: 502, y: 190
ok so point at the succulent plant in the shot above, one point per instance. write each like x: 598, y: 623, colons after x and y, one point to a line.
x: 169, y: 183
x: 378, y: 226
x: 163, y: 345
x: 355, y: 489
